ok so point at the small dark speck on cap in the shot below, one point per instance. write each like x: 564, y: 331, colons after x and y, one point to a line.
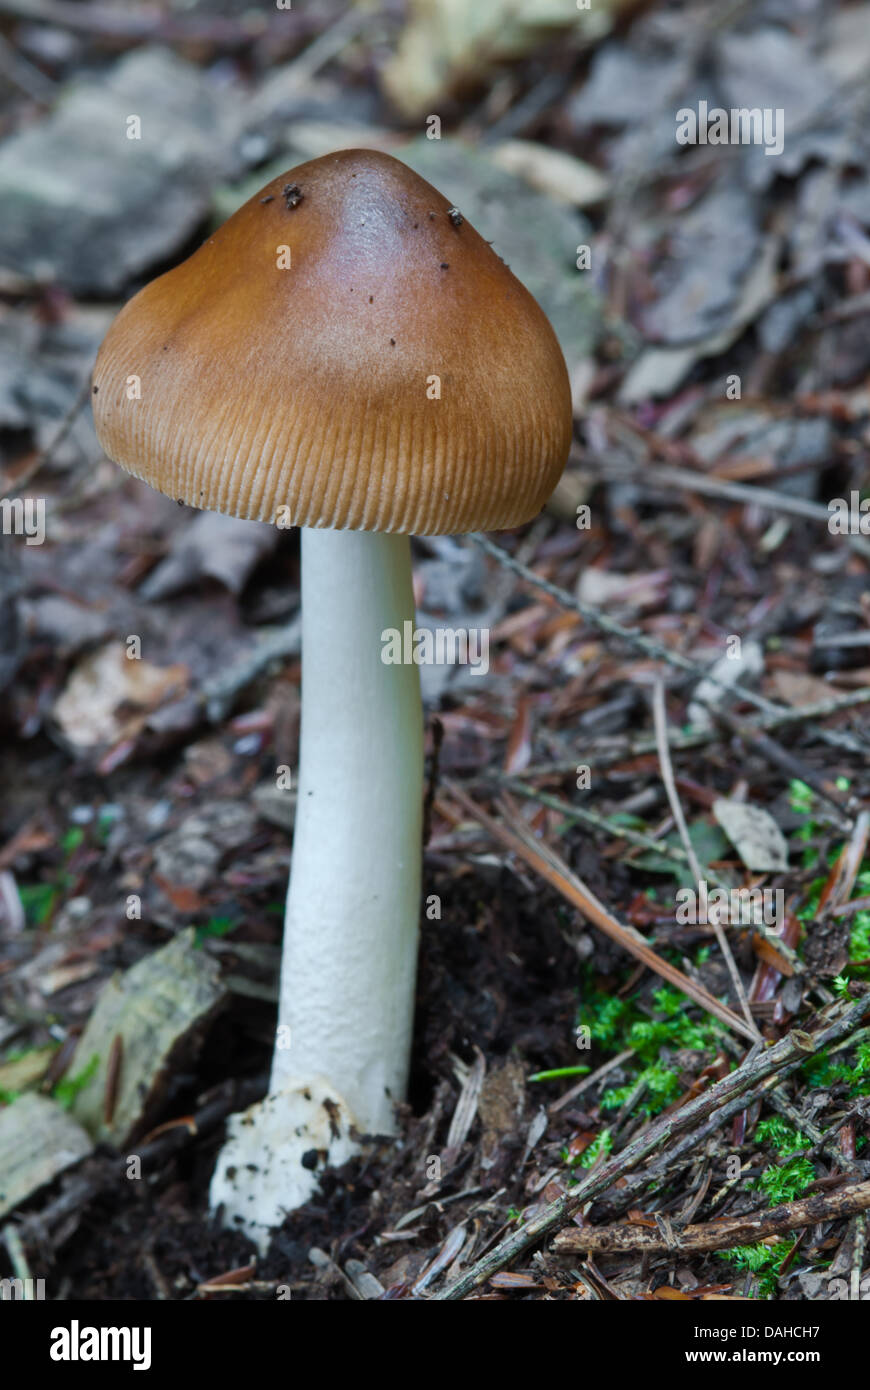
x: 445, y: 265
x: 455, y: 217
x: 431, y: 217
x: 180, y: 501
x: 392, y: 342
x: 371, y: 299
x: 293, y: 195
x: 269, y: 198
x: 96, y: 389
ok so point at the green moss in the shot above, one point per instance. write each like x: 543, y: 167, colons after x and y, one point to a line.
x: 782, y: 1136
x: 601, y: 1144
x: 764, y: 1261
x: 786, y: 1181
x: 617, y: 1025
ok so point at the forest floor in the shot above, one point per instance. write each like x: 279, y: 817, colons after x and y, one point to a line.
x: 677, y: 690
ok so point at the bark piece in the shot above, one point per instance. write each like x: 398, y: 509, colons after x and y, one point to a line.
x: 38, y: 1140
x: 158, y: 1008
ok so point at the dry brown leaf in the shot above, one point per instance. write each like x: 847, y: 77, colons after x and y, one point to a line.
x: 108, y: 696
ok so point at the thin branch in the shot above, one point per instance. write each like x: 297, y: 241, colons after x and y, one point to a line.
x: 613, y: 749
x: 791, y: 964
x: 660, y: 720
x: 66, y: 424
x: 648, y: 644
x: 718, y: 1235
x: 554, y: 869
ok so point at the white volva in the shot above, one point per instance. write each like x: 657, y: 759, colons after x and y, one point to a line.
x: 350, y: 937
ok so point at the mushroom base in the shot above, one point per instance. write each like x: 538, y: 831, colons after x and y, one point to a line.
x: 273, y: 1156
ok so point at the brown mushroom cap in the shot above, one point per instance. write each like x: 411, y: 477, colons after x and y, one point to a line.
x: 311, y: 388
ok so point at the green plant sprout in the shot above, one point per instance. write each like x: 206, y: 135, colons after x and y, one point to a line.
x: 602, y: 1144
x: 215, y: 926
x: 556, y: 1073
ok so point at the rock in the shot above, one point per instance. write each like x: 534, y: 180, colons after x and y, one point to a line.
x: 89, y: 207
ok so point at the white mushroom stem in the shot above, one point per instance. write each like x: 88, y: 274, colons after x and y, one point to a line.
x: 350, y: 937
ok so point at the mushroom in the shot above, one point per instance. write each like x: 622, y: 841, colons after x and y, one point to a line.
x: 348, y: 355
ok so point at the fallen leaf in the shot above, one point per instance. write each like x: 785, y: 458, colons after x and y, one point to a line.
x: 754, y: 834
x: 109, y: 696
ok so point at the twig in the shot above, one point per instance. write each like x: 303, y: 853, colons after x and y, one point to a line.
x: 769, y: 498
x: 780, y: 758
x: 556, y: 871
x: 660, y: 720
x: 734, y: 1092
x: 792, y: 964
x: 11, y: 1237
x: 590, y: 818
x: 45, y: 454
x: 696, y: 480
x: 648, y: 644
x: 722, y: 1234
x: 859, y: 1235
x: 275, y: 644
x: 615, y: 750
x: 28, y: 78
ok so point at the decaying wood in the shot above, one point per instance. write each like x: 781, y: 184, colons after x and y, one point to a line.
x: 38, y: 1140
x: 142, y: 1019
x: 718, y: 1235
